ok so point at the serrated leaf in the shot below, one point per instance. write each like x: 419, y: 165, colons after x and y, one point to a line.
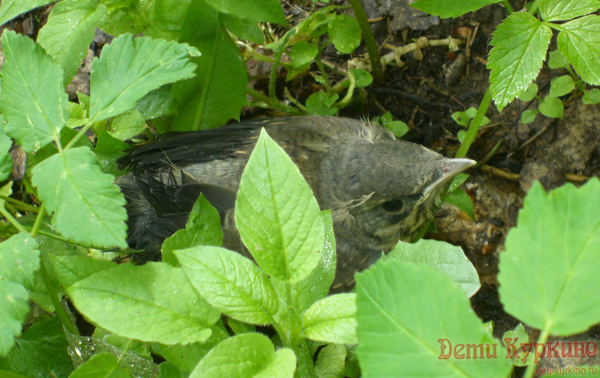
x: 165, y: 305
x: 33, y: 99
x: 19, y: 258
x: 231, y: 283
x: 394, y: 342
x: 520, y: 45
x: 259, y: 10
x: 277, y: 215
x: 579, y: 42
x: 443, y: 257
x: 15, y: 307
x: 331, y: 320
x: 247, y: 355
x: 73, y: 183
x: 68, y: 33
x: 462, y: 200
x: 12, y: 8
x: 344, y: 33
x: 551, y: 264
x: 552, y: 107
x: 130, y: 68
x: 450, y: 8
x: 591, y: 97
x: 103, y: 365
x: 218, y: 91
x: 528, y: 116
x: 560, y: 86
x: 562, y: 10
x: 202, y: 228
x: 530, y: 93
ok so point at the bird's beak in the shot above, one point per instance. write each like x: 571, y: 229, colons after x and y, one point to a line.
x: 450, y: 168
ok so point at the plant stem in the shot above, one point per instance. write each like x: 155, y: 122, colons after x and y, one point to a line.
x: 324, y: 73
x: 273, y: 78
x: 81, y: 132
x: 12, y: 220
x: 508, y: 7
x: 359, y: 12
x: 21, y: 204
x: 541, y: 341
x: 273, y: 104
x: 534, y: 7
x: 475, y: 123
x: 346, y: 100
x: 38, y: 220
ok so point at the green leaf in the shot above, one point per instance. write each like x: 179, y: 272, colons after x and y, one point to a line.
x: 591, y: 97
x: 528, y: 116
x: 557, y: 60
x: 218, y: 91
x: 530, y: 93
x: 461, y: 118
x: 277, y: 215
x: 130, y: 68
x: 394, y: 342
x: 247, y: 355
x: 331, y: 320
x: 71, y: 269
x: 303, y: 53
x: 12, y: 8
x: 450, y: 8
x: 100, y: 366
x: 239, y: 327
x: 520, y: 337
x: 68, y: 33
x: 77, y: 116
x: 399, y: 128
x: 462, y: 200
x: 159, y: 102
x: 457, y: 181
x: 321, y: 103
x: 562, y: 10
x: 560, y: 86
x: 243, y: 28
x: 125, y: 17
x: 165, y: 305
x: 166, y: 18
x: 6, y: 161
x: 443, y: 257
x: 14, y: 300
x: 108, y: 150
x: 127, y: 125
x: 231, y: 283
x: 362, y: 77
x: 202, y: 228
x: 552, y: 107
x: 344, y: 33
x: 461, y: 135
x: 579, y: 42
x: 33, y: 99
x: 551, y: 264
x: 19, y: 258
x: 331, y: 362
x: 520, y: 45
x: 259, y: 10
x: 73, y: 183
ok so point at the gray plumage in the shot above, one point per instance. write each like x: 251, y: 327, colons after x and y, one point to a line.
x: 380, y: 189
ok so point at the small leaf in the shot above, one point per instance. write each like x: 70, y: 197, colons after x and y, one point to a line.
x: 557, y: 60
x: 591, y: 97
x: 19, y: 259
x: 399, y: 128
x: 100, y: 366
x: 108, y: 150
x: 303, y: 53
x: 344, y: 33
x: 127, y: 125
x: 362, y: 77
x: 165, y: 305
x: 457, y: 181
x: 130, y: 68
x: 530, y: 93
x: 331, y: 320
x: 246, y: 355
x: 562, y: 10
x: 14, y: 300
x: 259, y: 10
x: 450, y: 8
x: 462, y: 200
x: 550, y: 264
x: 520, y: 44
x: 33, y: 99
x: 231, y: 283
x: 528, y: 116
x: 579, y: 42
x: 461, y: 135
x: 461, y: 118
x: 552, y: 107
x: 560, y: 86
x: 74, y: 183
x: 273, y: 194
x: 12, y: 8
x: 321, y: 103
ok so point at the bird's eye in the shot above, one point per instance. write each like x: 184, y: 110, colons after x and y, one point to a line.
x: 393, y: 206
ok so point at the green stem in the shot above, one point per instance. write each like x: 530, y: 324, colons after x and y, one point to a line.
x: 534, y: 7
x: 324, y: 73
x: 273, y: 104
x: 81, y: 133
x: 508, y: 7
x: 21, y: 204
x: 346, y: 100
x: 125, y: 350
x: 359, y: 12
x: 12, y: 220
x: 38, y: 220
x: 541, y: 340
x: 475, y: 123
x: 53, y: 294
x: 273, y: 78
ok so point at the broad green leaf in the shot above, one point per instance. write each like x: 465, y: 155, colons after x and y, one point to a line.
x: 243, y: 28
x: 331, y: 320
x: 42, y: 351
x: 71, y: 269
x: 202, y: 228
x: 126, y: 17
x: 462, y: 200
x: 560, y: 86
x: 557, y: 60
x: 239, y: 327
x: 579, y: 42
x: 530, y: 93
x: 259, y: 10
x: 218, y: 91
x: 277, y: 215
x: 450, y: 8
x: 550, y: 266
x: 127, y: 125
x: 169, y: 370
x: 441, y: 256
x: 396, y: 342
x: 15, y: 307
x: 457, y: 181
x: 344, y: 33
x: 165, y: 305
x: 231, y: 283
x: 6, y: 161
x: 19, y: 258
x: 529, y: 115
x: 321, y: 103
x: 125, y: 344
x: 591, y: 97
x: 520, y: 45
x: 247, y: 355
x: 130, y: 68
x: 73, y: 183
x: 33, y: 99
x: 166, y: 17
x: 562, y: 10
x: 331, y: 362
x: 552, y: 107
x: 303, y: 53
x: 101, y: 365
x: 68, y: 33
x: 159, y: 102
x: 12, y: 8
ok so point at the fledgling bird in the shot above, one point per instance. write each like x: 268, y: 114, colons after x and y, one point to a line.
x: 380, y: 189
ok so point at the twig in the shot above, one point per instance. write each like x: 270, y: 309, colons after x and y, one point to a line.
x: 537, y: 135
